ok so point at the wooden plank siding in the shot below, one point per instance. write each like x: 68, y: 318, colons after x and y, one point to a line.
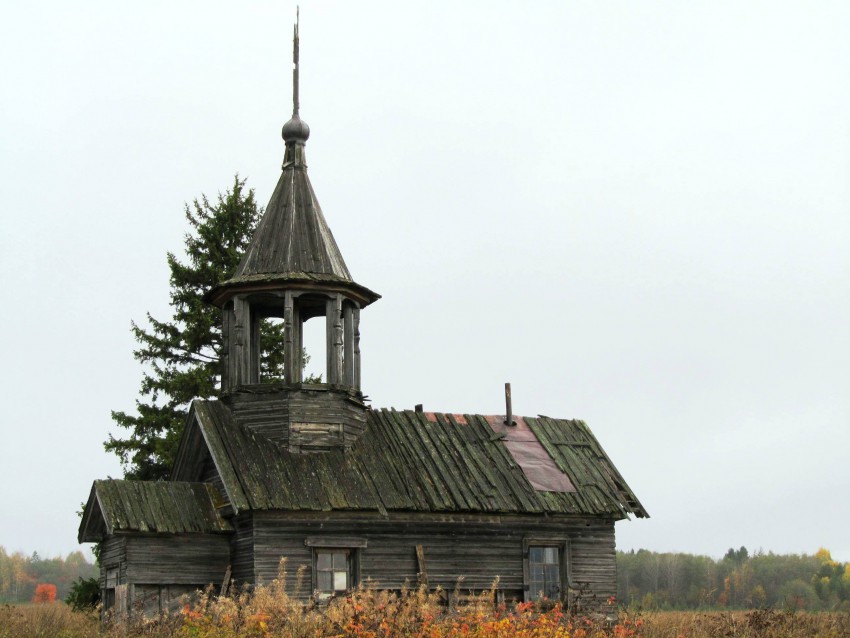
x: 177, y: 559
x: 242, y: 549
x: 477, y: 551
x: 113, y: 552
x: 270, y: 410
x: 266, y: 415
x: 593, y: 566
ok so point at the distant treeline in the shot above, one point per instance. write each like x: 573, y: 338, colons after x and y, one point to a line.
x: 739, y: 580
x: 20, y: 574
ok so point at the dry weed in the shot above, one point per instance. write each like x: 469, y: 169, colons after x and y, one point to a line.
x: 270, y: 611
x: 48, y: 620
x: 758, y: 623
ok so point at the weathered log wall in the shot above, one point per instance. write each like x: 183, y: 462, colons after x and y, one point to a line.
x: 277, y: 411
x: 113, y: 553
x: 242, y: 549
x: 479, y: 551
x: 177, y: 559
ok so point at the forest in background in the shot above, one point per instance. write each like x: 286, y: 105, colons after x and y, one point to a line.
x: 20, y: 575
x: 739, y: 580
x: 650, y: 580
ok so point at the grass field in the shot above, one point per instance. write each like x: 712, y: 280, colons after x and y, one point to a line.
x: 758, y: 623
x: 271, y: 613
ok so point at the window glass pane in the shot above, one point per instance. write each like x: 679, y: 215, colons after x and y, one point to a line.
x: 323, y: 560
x: 544, y: 571
x: 553, y: 582
x: 333, y: 570
x: 111, y: 577
x: 537, y: 573
x: 324, y: 581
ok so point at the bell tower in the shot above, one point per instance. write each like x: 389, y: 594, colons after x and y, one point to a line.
x: 293, y: 270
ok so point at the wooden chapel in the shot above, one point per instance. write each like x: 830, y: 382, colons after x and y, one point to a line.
x: 348, y: 493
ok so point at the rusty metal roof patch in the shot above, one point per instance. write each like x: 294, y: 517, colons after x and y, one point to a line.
x: 539, y: 468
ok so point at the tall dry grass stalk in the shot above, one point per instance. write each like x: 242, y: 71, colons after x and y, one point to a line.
x: 757, y: 623
x: 48, y: 620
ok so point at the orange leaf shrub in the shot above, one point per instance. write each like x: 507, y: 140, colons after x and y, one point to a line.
x: 44, y: 593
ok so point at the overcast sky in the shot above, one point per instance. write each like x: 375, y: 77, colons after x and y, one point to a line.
x: 638, y: 213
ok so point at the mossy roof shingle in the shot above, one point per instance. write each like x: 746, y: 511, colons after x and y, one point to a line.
x: 151, y: 506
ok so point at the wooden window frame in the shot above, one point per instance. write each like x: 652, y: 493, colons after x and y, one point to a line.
x: 351, y: 545
x: 563, y: 546
x: 116, y: 567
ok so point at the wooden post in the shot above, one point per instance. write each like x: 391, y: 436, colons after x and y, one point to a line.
x: 339, y: 339
x: 225, y: 582
x: 348, y: 338
x: 226, y: 359
x: 289, y: 368
x: 423, y: 571
x: 333, y: 320
x: 297, y: 344
x: 254, y: 362
x: 356, y: 324
x: 241, y: 342
x: 122, y: 606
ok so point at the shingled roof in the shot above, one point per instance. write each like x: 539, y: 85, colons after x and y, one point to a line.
x: 415, y: 462
x: 151, y: 506
x: 293, y: 236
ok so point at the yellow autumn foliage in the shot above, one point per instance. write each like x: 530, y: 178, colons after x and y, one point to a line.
x: 825, y: 557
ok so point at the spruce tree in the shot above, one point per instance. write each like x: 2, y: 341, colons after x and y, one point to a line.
x: 180, y: 357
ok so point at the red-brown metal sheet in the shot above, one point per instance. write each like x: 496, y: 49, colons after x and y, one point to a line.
x: 539, y: 468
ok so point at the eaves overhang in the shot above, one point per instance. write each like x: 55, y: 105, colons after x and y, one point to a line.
x: 295, y: 281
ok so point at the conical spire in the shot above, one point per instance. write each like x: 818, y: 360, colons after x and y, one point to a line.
x: 293, y: 240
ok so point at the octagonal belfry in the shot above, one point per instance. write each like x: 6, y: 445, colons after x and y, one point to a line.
x: 293, y: 270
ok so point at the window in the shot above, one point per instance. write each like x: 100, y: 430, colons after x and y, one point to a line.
x: 333, y: 571
x: 546, y: 568
x: 336, y: 563
x: 111, y: 577
x: 109, y: 587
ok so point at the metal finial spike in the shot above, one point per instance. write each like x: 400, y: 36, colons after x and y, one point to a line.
x: 295, y: 104
x: 295, y: 131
